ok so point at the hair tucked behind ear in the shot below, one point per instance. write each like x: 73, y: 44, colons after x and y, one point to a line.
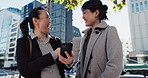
x: 24, y: 27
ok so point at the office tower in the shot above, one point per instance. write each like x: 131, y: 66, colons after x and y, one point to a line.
x: 29, y: 7
x: 61, y: 22
x: 138, y: 17
x: 9, y: 28
x: 75, y: 32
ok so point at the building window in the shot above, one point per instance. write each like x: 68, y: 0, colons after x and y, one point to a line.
x: 11, y: 55
x: 12, y: 39
x: 14, y: 25
x: 55, y: 21
x: 14, y: 34
x: 52, y: 21
x: 53, y: 6
x: 137, y: 7
x: 10, y: 59
x: 11, y: 49
x: 12, y: 44
x: 14, y: 20
x: 146, y: 5
x: 52, y: 14
x: 12, y: 30
x: 54, y: 28
x: 141, y: 6
x: 133, y: 8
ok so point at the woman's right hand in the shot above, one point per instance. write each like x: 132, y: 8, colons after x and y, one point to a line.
x: 57, y: 51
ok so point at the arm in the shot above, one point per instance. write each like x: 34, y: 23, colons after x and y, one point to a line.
x: 114, y: 55
x: 27, y: 67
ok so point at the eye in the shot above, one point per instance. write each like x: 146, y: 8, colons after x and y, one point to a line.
x: 48, y: 17
x: 84, y: 12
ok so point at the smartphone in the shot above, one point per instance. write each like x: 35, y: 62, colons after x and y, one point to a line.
x: 66, y: 47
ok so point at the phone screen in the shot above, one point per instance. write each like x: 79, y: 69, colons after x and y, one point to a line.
x: 66, y: 47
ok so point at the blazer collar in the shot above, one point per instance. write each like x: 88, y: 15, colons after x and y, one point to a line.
x: 100, y: 26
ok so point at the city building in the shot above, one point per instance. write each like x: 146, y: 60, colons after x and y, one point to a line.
x: 25, y: 10
x: 138, y: 19
x: 75, y: 32
x: 61, y: 26
x: 9, y: 28
x: 126, y: 47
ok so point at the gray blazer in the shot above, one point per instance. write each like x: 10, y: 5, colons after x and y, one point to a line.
x: 104, y: 55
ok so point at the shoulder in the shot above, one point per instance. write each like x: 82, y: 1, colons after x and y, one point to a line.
x: 111, y: 29
x: 22, y: 40
x: 54, y: 39
x: 55, y: 42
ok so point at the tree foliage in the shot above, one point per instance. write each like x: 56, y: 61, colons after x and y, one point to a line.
x: 71, y: 4
x: 118, y: 4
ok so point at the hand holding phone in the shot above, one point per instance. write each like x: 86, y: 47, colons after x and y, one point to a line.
x: 66, y: 47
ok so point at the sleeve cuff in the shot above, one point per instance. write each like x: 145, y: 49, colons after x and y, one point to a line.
x: 54, y: 55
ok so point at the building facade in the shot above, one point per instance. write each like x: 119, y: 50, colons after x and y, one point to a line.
x: 9, y: 29
x: 138, y: 17
x: 29, y: 7
x: 61, y: 25
x: 75, y: 32
x: 126, y: 47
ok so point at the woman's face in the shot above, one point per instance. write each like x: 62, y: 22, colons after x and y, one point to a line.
x: 44, y: 22
x: 90, y: 18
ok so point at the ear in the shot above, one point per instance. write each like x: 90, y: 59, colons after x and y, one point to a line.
x: 35, y: 21
x: 97, y: 13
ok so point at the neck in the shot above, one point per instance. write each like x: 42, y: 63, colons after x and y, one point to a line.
x: 40, y: 35
x: 95, y: 24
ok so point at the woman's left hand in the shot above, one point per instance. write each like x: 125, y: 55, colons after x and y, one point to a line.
x: 67, y: 60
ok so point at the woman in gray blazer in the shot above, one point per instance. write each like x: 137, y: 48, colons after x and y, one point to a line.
x: 100, y: 49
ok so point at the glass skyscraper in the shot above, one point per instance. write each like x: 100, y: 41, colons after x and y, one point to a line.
x: 138, y: 17
x: 9, y: 25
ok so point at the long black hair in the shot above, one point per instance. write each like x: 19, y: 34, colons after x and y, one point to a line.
x: 94, y: 5
x: 24, y: 25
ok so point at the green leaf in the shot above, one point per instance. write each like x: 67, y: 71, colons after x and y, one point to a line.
x: 61, y: 1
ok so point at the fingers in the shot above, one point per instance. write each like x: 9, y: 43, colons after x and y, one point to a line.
x: 62, y: 59
x: 72, y: 54
x: 68, y: 56
x: 67, y: 60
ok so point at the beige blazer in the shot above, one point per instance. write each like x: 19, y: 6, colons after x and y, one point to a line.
x: 104, y: 55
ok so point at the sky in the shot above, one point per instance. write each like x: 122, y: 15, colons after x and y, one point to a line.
x: 118, y: 19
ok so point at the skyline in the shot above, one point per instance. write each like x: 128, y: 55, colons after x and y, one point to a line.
x: 118, y: 19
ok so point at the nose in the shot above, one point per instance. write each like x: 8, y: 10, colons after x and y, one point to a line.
x: 49, y: 20
x: 83, y: 16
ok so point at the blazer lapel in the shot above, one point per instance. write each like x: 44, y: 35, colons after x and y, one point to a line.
x: 94, y: 37
x: 81, y: 54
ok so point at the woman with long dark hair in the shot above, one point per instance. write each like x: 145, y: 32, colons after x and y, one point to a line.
x: 44, y: 60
